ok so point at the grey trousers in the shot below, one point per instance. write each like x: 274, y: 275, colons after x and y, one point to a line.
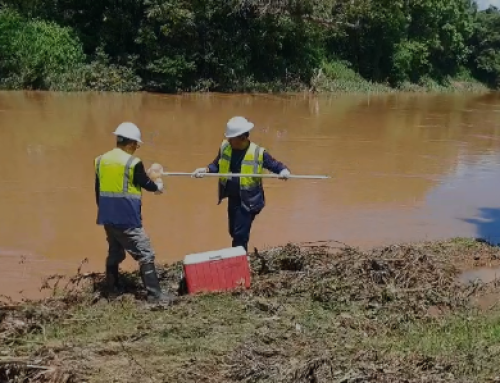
x: 133, y: 241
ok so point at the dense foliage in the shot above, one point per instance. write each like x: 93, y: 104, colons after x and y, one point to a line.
x: 242, y: 45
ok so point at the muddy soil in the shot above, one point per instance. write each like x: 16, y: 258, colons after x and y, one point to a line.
x: 316, y: 312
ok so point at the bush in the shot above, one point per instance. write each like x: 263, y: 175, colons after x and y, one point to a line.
x: 35, y: 51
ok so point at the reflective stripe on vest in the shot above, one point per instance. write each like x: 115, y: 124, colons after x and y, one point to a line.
x: 252, y: 163
x: 115, y: 171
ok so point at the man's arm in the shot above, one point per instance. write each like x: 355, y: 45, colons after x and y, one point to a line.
x: 142, y: 179
x: 97, y: 188
x: 213, y: 167
x: 273, y: 165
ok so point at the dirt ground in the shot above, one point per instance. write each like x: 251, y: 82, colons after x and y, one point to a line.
x: 315, y: 313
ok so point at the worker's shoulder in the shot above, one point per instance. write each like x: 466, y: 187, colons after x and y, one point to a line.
x: 135, y: 160
x: 260, y: 147
x: 99, y: 157
x: 105, y: 154
x: 119, y: 157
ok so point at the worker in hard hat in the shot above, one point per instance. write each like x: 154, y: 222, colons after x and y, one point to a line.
x: 237, y: 154
x: 120, y: 178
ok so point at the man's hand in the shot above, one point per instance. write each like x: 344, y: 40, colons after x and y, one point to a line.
x: 159, y: 183
x: 155, y: 172
x: 284, y: 174
x: 198, y: 173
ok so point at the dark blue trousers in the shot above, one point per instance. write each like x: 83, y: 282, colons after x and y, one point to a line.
x: 240, y: 222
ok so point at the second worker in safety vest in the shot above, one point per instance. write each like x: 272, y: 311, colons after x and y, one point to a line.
x: 237, y: 154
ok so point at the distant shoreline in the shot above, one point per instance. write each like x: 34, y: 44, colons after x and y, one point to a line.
x: 466, y: 88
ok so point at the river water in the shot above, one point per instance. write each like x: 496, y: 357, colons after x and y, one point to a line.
x: 403, y: 168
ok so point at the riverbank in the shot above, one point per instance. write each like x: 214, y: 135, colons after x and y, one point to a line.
x: 336, y: 77
x: 315, y: 312
x: 331, y: 77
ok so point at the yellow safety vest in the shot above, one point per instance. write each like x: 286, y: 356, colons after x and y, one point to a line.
x: 115, y: 170
x: 252, y: 164
x: 119, y: 199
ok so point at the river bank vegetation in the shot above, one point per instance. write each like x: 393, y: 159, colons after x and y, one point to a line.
x: 248, y: 45
x: 315, y: 313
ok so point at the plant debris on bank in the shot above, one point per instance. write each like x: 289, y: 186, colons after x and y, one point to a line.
x: 315, y: 313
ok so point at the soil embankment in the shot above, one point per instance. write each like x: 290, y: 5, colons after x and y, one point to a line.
x: 314, y: 313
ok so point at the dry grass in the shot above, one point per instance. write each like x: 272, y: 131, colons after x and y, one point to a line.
x: 313, y: 314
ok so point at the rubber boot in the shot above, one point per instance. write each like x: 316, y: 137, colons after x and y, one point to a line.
x: 113, y: 287
x: 152, y: 285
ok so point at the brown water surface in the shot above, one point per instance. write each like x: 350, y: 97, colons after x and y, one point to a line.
x: 403, y: 167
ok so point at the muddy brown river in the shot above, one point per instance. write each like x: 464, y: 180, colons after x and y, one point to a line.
x: 403, y: 167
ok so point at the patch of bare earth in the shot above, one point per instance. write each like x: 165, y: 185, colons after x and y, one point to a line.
x: 314, y: 313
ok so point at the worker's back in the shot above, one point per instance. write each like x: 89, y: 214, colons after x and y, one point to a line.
x: 119, y: 198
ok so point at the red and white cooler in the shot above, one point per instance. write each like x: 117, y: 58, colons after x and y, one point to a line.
x: 217, y: 270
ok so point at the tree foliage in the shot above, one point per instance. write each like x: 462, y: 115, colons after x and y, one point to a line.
x: 240, y: 45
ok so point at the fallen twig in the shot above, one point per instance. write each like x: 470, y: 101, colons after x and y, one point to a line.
x: 25, y: 364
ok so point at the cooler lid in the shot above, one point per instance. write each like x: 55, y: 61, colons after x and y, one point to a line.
x: 214, y: 255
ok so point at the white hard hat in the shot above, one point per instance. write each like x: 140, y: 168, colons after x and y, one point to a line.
x: 236, y: 126
x: 128, y: 130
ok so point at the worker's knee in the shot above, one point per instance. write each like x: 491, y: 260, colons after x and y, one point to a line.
x: 240, y: 225
x: 241, y: 237
x: 140, y: 246
x: 146, y: 259
x: 144, y: 254
x: 115, y: 257
x: 231, y: 228
x: 242, y: 230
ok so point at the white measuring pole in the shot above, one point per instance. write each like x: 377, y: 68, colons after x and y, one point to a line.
x: 229, y: 175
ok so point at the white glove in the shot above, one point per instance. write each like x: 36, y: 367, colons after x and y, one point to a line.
x: 284, y: 174
x: 159, y: 183
x: 198, y: 173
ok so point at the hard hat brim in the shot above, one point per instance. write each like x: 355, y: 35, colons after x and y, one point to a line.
x: 133, y: 139
x: 246, y: 130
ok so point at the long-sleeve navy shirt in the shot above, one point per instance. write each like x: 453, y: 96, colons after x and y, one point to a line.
x: 233, y: 185
x: 140, y: 178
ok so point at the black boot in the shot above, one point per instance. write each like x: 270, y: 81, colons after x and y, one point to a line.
x: 152, y: 285
x: 113, y: 287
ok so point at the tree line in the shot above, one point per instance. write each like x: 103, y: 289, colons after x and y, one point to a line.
x: 246, y: 45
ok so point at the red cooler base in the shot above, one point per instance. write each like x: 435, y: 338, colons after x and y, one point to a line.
x: 218, y: 270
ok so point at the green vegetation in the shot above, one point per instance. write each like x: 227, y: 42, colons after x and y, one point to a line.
x: 313, y: 314
x: 251, y: 45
